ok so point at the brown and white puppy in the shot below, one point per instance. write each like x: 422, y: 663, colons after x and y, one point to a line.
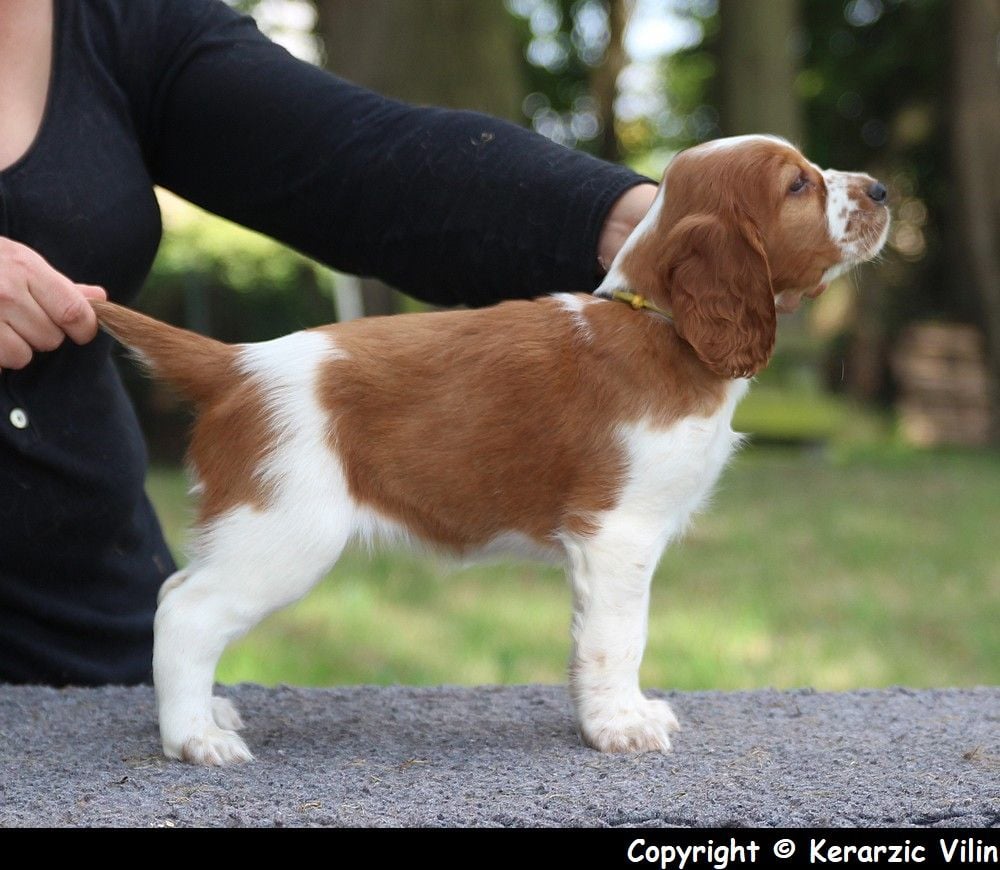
x: 574, y: 427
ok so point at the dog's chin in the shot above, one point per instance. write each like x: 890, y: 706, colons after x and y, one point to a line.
x: 852, y: 254
x: 788, y: 301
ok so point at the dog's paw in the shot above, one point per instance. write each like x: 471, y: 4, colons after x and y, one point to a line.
x: 226, y: 716
x: 640, y: 726
x: 214, y: 747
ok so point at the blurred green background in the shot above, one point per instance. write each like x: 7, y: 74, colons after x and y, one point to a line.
x: 853, y: 542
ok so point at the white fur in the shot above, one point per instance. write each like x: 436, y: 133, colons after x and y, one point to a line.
x: 838, y: 206
x: 575, y: 305
x: 515, y: 544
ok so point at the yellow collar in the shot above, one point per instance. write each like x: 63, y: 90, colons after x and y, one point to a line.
x: 638, y: 301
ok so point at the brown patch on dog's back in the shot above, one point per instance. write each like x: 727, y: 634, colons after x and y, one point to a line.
x: 466, y: 425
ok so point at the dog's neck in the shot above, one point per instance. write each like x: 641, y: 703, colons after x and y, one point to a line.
x: 631, y: 273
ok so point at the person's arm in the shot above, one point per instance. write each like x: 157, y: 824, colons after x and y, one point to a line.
x: 450, y: 206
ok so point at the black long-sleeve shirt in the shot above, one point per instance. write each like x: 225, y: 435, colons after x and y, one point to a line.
x: 453, y: 207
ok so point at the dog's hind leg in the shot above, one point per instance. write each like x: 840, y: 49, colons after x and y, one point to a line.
x: 224, y: 712
x: 170, y: 584
x: 250, y: 564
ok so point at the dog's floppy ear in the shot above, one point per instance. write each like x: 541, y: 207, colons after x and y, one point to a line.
x: 719, y: 285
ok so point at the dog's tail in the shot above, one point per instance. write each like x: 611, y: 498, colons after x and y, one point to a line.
x: 198, y: 367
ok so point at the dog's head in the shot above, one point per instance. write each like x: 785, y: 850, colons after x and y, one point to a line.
x: 741, y: 229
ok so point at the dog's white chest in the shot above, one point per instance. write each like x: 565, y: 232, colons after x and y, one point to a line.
x: 673, y: 470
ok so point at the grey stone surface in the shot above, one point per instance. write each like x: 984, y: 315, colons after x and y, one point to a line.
x: 503, y: 756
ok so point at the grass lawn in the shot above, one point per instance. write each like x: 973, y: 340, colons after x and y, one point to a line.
x: 874, y: 570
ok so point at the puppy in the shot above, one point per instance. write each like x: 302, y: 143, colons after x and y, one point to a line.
x: 582, y: 428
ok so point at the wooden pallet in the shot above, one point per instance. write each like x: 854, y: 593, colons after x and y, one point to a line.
x: 944, y: 385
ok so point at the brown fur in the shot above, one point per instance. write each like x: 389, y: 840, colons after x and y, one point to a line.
x: 231, y: 439
x: 465, y: 425
x: 728, y: 239
x: 199, y: 368
x: 232, y: 434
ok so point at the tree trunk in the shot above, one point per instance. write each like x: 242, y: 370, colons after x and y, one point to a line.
x: 757, y: 70
x: 604, y: 78
x: 431, y: 52
x: 975, y: 146
x: 758, y: 67
x: 441, y: 52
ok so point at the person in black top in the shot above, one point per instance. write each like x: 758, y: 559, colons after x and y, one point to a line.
x: 100, y: 100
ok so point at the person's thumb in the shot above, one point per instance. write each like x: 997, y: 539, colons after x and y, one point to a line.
x: 92, y: 291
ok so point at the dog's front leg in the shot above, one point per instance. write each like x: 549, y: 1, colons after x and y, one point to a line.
x: 610, y: 576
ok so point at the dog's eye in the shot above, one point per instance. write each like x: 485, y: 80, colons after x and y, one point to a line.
x: 798, y: 184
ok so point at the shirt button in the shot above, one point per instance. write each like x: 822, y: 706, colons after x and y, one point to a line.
x: 18, y: 419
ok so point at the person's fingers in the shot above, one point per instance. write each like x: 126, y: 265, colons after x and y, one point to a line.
x: 65, y: 304
x: 39, y: 306
x: 15, y: 352
x: 32, y: 324
x: 92, y: 291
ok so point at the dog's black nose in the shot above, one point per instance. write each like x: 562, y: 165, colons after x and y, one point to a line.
x: 877, y: 192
